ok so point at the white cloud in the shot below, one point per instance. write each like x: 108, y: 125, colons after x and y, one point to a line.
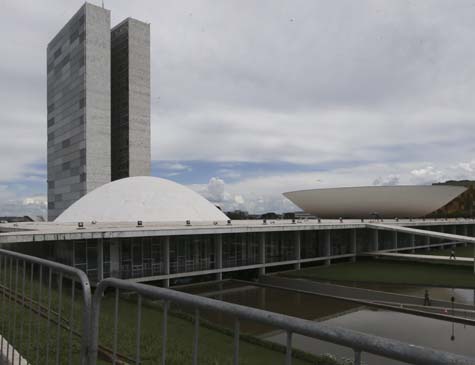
x: 229, y: 173
x: 34, y: 206
x: 468, y: 167
x: 225, y: 195
x: 175, y: 166
x: 264, y: 193
x: 389, y: 180
x: 238, y: 199
x: 215, y: 190
x: 385, y: 84
x: 427, y: 175
x: 40, y: 201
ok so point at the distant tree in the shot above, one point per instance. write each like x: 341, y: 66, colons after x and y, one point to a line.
x: 289, y: 215
x: 238, y: 215
x: 270, y: 215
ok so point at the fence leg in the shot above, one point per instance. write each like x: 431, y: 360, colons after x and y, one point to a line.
x: 288, y: 351
x: 357, y: 357
x: 139, y: 328
x: 196, y: 337
x: 164, y: 331
x: 236, y: 342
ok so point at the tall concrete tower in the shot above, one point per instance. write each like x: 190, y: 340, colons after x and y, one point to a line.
x: 79, y: 112
x: 130, y: 75
x: 98, y: 99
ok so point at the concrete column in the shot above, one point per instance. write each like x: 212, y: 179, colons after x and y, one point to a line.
x: 100, y: 259
x: 327, y: 247
x: 166, y: 261
x: 428, y: 243
x: 465, y: 233
x: 73, y: 258
x: 375, y: 240
x: 218, y: 255
x: 442, y: 230
x: 454, y: 231
x: 115, y: 258
x: 394, y: 239
x: 413, y: 242
x: 474, y: 271
x: 353, y: 245
x: 297, y: 250
x: 262, y: 252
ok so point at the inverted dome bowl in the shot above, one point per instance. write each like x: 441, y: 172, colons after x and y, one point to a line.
x: 362, y: 202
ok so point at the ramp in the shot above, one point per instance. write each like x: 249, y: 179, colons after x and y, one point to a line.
x: 348, y: 292
x: 421, y: 232
x: 462, y: 261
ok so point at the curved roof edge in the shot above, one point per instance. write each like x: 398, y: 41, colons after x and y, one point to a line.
x: 144, y: 198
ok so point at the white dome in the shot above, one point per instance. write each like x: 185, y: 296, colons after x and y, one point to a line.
x: 145, y: 198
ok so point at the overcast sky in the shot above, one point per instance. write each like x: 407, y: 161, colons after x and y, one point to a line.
x: 254, y: 98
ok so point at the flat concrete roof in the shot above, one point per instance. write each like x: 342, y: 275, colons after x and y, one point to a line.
x: 51, y: 231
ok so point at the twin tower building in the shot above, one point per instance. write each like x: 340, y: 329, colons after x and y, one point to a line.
x: 98, y: 100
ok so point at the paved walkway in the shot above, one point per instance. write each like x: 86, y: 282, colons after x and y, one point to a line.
x: 464, y: 261
x: 421, y: 232
x: 435, y: 311
x: 355, y: 293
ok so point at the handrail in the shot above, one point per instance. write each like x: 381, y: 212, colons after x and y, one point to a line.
x: 358, y: 341
x: 75, y: 274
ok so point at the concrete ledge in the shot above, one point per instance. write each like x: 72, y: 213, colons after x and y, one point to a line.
x: 10, y: 356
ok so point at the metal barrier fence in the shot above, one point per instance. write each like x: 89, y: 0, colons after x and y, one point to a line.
x: 45, y: 311
x: 44, y: 320
x: 359, y: 342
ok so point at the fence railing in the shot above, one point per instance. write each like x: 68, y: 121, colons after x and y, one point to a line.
x: 357, y: 341
x: 47, y: 315
x: 45, y: 311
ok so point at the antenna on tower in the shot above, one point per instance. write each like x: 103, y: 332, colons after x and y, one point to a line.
x: 102, y: 4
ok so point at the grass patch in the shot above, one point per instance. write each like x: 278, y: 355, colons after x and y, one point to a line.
x: 24, y: 316
x: 36, y: 338
x: 392, y: 272
x: 215, y: 342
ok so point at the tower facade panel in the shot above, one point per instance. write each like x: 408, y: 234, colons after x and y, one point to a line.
x: 130, y: 75
x: 78, y: 103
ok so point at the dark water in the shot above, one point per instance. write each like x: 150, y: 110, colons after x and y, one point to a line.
x: 281, y: 301
x: 408, y: 328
